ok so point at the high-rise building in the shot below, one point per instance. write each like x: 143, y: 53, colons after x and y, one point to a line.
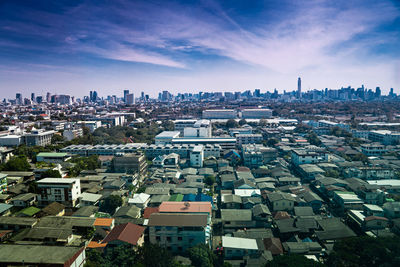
x: 299, y: 87
x: 18, y: 99
x: 142, y: 96
x: 378, y: 92
x: 33, y: 96
x: 39, y: 99
x: 94, y: 99
x: 48, y: 97
x: 130, y: 99
x: 126, y: 92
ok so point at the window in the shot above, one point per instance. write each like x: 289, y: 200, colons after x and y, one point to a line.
x: 168, y: 238
x: 158, y: 238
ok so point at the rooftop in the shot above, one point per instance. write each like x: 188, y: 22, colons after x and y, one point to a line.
x: 185, y: 207
x: 239, y: 243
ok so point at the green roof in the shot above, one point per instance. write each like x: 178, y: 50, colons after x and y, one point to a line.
x: 29, y: 211
x: 52, y: 155
x: 176, y: 197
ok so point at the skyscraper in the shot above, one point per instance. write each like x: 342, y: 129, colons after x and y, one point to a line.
x: 299, y: 88
x: 33, y: 96
x: 126, y: 92
x: 48, y: 97
x: 18, y: 99
x: 130, y: 99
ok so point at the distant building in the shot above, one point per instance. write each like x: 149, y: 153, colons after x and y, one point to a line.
x: 299, y: 88
x: 257, y: 113
x: 38, y: 138
x: 197, y: 156
x: 244, y: 139
x: 72, y: 134
x: 130, y: 99
x: 219, y: 114
x: 130, y: 163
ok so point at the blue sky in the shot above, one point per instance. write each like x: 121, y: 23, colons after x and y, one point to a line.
x: 189, y: 46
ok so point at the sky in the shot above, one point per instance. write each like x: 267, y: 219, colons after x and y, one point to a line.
x: 74, y: 46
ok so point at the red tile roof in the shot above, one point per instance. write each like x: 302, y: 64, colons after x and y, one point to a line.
x: 94, y: 244
x: 103, y: 221
x: 127, y: 232
x: 184, y: 207
x: 148, y: 211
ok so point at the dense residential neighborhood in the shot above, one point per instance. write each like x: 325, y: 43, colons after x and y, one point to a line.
x: 195, y: 185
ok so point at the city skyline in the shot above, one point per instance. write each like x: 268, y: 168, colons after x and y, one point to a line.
x: 72, y: 48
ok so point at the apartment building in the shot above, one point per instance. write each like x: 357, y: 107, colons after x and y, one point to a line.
x: 219, y: 114
x: 64, y: 191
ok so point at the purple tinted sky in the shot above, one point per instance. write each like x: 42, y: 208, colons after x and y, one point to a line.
x: 188, y: 46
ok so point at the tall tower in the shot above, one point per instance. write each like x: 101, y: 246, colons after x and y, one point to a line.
x: 299, y: 87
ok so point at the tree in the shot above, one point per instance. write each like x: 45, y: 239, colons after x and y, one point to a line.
x: 153, y: 255
x: 231, y: 123
x: 209, y: 180
x: 57, y: 138
x: 242, y: 122
x: 110, y: 204
x: 293, y: 260
x: 313, y: 139
x: 272, y: 142
x: 332, y: 173
x: 16, y: 163
x: 51, y: 173
x: 202, y: 256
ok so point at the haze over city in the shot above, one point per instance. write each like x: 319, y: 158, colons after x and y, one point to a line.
x: 71, y: 47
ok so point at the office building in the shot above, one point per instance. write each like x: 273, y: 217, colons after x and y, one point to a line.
x: 256, y: 113
x: 130, y: 99
x: 219, y: 114
x: 299, y: 88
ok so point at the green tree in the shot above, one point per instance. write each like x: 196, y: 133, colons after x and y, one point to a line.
x: 231, y: 123
x: 110, y: 204
x: 57, y: 138
x: 209, y: 180
x: 272, y: 141
x: 313, y: 139
x: 242, y: 122
x: 293, y: 260
x: 16, y: 163
x: 153, y: 255
x: 51, y: 173
x: 202, y: 256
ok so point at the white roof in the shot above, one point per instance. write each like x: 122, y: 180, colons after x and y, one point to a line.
x: 58, y: 180
x: 90, y: 197
x: 139, y: 198
x: 247, y: 192
x: 385, y: 182
x: 239, y: 243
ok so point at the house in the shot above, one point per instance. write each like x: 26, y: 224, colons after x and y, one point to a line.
x: 248, y: 192
x: 54, y: 209
x: 86, y: 211
x: 39, y: 255
x: 127, y: 212
x: 367, y: 223
x: 231, y: 201
x: 261, y: 212
x: 28, y: 212
x: 392, y: 210
x: 89, y: 199
x: 16, y: 223
x: 332, y: 229
x: 140, y: 200
x: 64, y: 191
x: 52, y: 157
x: 234, y: 219
x: 280, y: 201
x: 227, y: 180
x: 312, y: 200
x: 46, y: 236
x: 23, y: 200
x: 5, y: 209
x: 127, y: 233
x: 179, y: 231
x: 274, y: 245
x: 237, y: 248
x: 347, y: 200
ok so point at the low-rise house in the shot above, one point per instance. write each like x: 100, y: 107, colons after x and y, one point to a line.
x: 367, y: 223
x: 29, y: 212
x: 5, y: 209
x: 179, y: 231
x: 331, y: 229
x: 347, y: 200
x: 64, y: 191
x: 16, y: 223
x: 127, y: 233
x: 227, y: 180
x: 308, y: 248
x: 237, y: 248
x: 23, y: 200
x: 140, y: 200
x: 89, y: 199
x: 231, y: 202
x: 248, y: 192
x: 128, y: 212
x: 52, y: 157
x: 234, y: 219
x: 261, y: 212
x: 280, y: 201
x: 39, y: 255
x: 86, y: 211
x: 392, y: 210
x: 53, y: 209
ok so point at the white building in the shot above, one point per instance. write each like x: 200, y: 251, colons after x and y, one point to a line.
x: 166, y: 137
x: 244, y: 139
x: 38, y: 138
x: 139, y: 200
x: 65, y: 191
x: 256, y: 113
x: 180, y: 125
x: 304, y: 156
x: 72, y: 134
x: 197, y: 156
x: 237, y: 247
x: 201, y: 128
x: 10, y: 140
x: 219, y: 114
x: 385, y: 137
